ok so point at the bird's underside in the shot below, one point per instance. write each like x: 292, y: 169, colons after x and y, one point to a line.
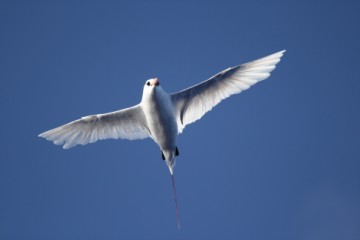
x: 176, y: 153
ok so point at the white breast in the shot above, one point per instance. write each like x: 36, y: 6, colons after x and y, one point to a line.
x: 160, y: 116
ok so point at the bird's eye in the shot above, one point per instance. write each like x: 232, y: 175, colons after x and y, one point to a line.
x: 148, y: 83
x: 157, y: 83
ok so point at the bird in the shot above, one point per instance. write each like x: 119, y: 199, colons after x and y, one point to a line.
x: 162, y: 116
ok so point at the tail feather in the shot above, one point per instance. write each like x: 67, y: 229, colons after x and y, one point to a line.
x: 175, y: 199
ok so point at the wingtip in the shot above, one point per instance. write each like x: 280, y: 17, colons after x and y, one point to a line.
x: 282, y: 52
x: 278, y: 55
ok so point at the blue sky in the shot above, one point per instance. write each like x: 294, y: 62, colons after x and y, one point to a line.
x: 279, y: 161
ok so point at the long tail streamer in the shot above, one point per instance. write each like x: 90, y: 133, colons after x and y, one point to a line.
x: 176, y: 202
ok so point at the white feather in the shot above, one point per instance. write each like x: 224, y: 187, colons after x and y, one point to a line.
x: 192, y: 103
x: 129, y: 123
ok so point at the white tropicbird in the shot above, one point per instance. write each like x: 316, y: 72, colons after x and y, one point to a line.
x: 162, y: 116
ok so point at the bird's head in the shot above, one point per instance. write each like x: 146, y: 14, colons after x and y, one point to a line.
x: 153, y: 82
x: 151, y: 86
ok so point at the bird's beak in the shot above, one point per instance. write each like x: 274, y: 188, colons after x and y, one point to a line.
x: 155, y: 82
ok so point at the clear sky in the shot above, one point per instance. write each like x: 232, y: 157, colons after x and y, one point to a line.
x: 278, y: 161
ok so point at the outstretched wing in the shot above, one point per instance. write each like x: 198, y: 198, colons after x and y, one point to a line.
x: 129, y: 123
x: 192, y: 103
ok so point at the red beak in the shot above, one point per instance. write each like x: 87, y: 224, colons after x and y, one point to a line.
x: 155, y: 82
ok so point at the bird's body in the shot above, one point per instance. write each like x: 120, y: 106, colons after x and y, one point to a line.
x: 157, y: 107
x: 162, y: 116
